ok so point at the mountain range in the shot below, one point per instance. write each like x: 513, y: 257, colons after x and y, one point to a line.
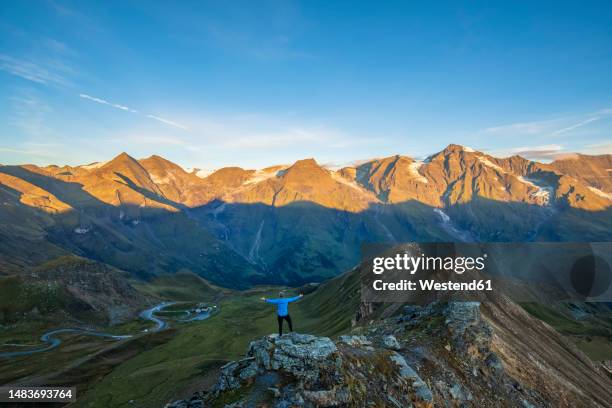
x: 290, y: 224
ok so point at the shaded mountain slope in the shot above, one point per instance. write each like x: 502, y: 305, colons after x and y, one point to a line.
x: 143, y: 239
x: 292, y: 223
x: 70, y: 290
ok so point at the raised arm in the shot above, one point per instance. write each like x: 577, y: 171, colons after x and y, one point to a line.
x: 274, y: 301
x: 293, y: 299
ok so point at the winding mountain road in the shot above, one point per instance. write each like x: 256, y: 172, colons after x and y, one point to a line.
x: 52, y: 341
x: 149, y: 314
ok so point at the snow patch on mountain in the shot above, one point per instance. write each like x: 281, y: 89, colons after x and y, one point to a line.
x: 201, y: 173
x: 337, y: 177
x: 543, y: 191
x: 254, y: 252
x: 218, y: 210
x: 414, y: 170
x: 443, y: 216
x: 489, y: 163
x: 351, y: 163
x: 601, y: 193
x: 94, y: 165
x: 265, y: 174
x: 449, y: 226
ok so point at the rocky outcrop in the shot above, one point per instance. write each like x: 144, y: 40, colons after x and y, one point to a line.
x: 439, y: 355
x: 407, y: 373
x: 305, y: 358
x: 300, y: 370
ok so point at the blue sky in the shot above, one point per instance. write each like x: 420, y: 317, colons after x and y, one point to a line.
x: 209, y: 84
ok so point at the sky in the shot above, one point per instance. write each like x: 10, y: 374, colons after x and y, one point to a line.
x: 208, y: 84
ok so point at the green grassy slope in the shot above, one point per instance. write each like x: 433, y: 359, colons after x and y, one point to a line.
x: 22, y: 300
x: 69, y: 290
x: 181, y: 286
x: 332, y: 306
x: 179, y: 366
x: 592, y: 335
x: 153, y: 369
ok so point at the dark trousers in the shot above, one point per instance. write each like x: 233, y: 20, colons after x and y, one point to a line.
x: 280, y: 324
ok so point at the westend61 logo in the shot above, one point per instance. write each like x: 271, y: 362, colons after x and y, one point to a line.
x: 412, y: 264
x: 525, y: 272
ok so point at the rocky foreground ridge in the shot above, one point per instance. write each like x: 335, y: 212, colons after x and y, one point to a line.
x: 460, y: 354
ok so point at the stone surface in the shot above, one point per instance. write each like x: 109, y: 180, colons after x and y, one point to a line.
x: 391, y: 342
x: 423, y: 392
x: 355, y: 341
x: 440, y: 355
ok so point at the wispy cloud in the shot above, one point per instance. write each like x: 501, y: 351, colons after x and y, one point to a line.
x: 140, y: 138
x: 292, y: 136
x: 547, y: 153
x: 254, y: 135
x: 27, y: 69
x: 131, y: 110
x: 576, y: 125
x: 167, y: 122
x: 105, y: 102
x: 29, y: 112
x: 599, y: 148
x: 529, y: 128
x: 551, y: 127
x: 28, y: 152
x: 75, y: 17
x: 42, y: 60
x: 541, y: 152
x: 267, y: 48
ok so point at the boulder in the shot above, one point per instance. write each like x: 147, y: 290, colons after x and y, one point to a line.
x: 327, y: 398
x: 303, y: 357
x: 355, y: 341
x: 391, y: 343
x: 421, y: 390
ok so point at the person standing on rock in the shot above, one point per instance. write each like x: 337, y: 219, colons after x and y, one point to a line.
x: 282, y: 309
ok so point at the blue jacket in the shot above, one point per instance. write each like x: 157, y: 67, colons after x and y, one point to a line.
x: 282, y: 304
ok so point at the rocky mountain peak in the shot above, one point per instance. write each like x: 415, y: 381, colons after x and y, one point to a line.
x: 125, y: 174
x: 229, y: 176
x: 453, y: 153
x: 161, y: 167
x: 305, y: 165
x: 456, y: 149
x: 306, y: 170
x: 160, y: 161
x: 122, y: 157
x: 122, y: 163
x: 306, y: 162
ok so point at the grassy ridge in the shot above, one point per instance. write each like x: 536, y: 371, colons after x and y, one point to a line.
x: 179, y: 366
x: 18, y: 298
x: 153, y: 369
x: 182, y: 286
x: 69, y: 290
x: 593, y: 335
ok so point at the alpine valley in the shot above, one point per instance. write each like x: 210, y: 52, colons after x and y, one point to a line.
x: 91, y: 247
